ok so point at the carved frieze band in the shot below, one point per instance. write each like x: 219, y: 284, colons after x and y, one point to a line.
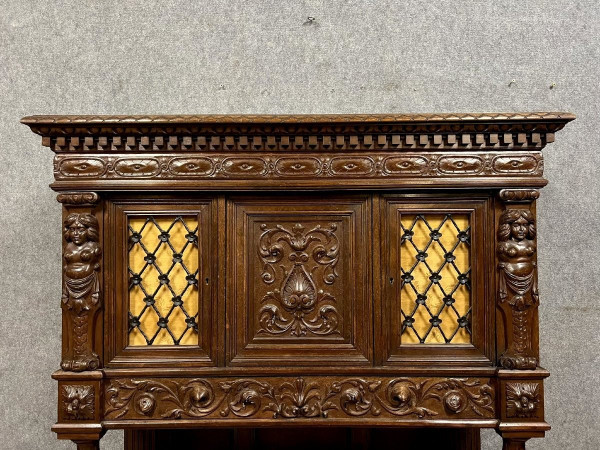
x: 300, y: 139
x: 518, y: 291
x: 298, y: 166
x: 315, y: 397
x: 81, y: 297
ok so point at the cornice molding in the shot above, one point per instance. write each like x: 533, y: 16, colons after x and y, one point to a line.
x: 297, y: 133
x: 292, y: 118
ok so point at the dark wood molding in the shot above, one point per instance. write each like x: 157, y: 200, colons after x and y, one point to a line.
x: 306, y: 284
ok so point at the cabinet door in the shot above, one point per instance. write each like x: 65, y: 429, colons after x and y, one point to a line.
x: 437, y: 257
x: 299, y: 271
x: 163, y: 284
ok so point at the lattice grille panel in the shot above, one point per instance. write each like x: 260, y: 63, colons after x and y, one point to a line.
x: 163, y: 280
x: 436, y: 278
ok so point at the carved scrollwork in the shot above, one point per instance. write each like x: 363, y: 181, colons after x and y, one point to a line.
x: 78, y: 401
x: 299, y: 398
x: 81, y: 288
x: 518, y: 284
x: 298, y: 306
x: 194, y: 398
x: 522, y: 399
x: 244, y: 397
x: 405, y: 397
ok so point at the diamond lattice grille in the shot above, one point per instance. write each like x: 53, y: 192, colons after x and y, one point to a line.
x: 163, y: 280
x: 436, y: 279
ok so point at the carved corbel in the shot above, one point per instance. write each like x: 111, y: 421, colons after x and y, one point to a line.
x: 81, y: 297
x: 518, y: 297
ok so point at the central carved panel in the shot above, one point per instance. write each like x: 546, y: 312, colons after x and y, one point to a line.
x: 301, y: 280
x: 295, y: 260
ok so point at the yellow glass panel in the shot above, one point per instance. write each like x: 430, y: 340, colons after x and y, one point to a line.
x: 435, y: 265
x: 163, y: 280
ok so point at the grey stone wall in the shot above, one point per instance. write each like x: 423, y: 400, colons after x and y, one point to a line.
x: 134, y: 56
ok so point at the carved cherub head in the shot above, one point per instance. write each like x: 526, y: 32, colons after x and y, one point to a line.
x: 517, y: 224
x: 81, y: 228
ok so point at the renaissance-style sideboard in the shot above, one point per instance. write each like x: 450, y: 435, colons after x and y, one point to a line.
x: 299, y: 271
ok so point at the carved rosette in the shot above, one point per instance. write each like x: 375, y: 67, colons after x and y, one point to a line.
x: 291, y: 258
x: 299, y: 398
x: 82, y: 258
x: 517, y: 289
x: 78, y: 402
x: 522, y: 399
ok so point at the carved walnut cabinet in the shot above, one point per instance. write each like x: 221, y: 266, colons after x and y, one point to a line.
x: 299, y: 271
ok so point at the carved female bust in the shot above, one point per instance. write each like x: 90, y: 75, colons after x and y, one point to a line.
x: 81, y: 261
x: 516, y: 247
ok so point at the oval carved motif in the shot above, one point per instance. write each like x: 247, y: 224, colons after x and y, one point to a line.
x: 351, y: 166
x: 460, y: 164
x: 297, y: 166
x: 82, y: 167
x: 191, y: 166
x: 514, y: 164
x: 137, y: 167
x: 405, y: 164
x: 244, y: 166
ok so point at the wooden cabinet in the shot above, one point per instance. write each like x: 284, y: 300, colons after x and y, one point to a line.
x: 299, y: 272
x: 300, y: 286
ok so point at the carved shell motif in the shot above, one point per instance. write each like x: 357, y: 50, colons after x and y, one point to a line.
x: 298, y: 291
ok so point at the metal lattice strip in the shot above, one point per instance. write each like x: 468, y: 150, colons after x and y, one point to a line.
x: 163, y: 280
x: 436, y: 278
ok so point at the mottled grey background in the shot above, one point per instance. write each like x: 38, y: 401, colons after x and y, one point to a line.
x: 141, y: 56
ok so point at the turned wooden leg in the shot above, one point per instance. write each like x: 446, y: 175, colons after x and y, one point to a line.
x: 88, y: 445
x: 513, y: 443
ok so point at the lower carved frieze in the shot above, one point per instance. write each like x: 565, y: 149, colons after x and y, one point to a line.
x: 288, y: 397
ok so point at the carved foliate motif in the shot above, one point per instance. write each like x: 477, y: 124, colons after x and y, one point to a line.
x: 518, y: 284
x: 522, y: 399
x: 299, y: 398
x: 298, y: 306
x: 78, y: 402
x: 81, y: 288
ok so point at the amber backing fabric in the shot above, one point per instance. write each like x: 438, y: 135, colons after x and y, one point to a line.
x: 435, y: 259
x: 150, y: 281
